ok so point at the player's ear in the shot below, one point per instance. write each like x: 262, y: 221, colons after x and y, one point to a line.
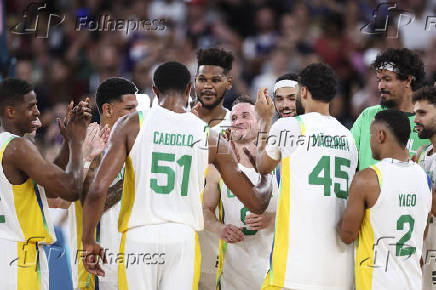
x: 229, y: 82
x: 155, y: 91
x: 107, y: 111
x: 409, y: 82
x: 10, y: 111
x: 382, y: 135
x: 188, y: 89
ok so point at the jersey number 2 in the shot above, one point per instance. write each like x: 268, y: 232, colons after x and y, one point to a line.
x: 184, y: 161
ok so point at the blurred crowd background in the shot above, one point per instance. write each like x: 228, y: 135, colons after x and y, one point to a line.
x: 267, y: 38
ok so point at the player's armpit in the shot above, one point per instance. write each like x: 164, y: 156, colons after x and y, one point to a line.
x: 363, y: 193
x: 22, y: 156
x: 211, y: 197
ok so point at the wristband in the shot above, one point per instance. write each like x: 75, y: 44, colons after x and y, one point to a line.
x: 86, y: 164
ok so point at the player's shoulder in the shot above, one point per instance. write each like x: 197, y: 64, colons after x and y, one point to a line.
x: 17, y: 147
x: 371, y: 111
x: 286, y: 122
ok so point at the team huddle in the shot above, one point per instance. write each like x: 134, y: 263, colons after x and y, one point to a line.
x: 274, y: 194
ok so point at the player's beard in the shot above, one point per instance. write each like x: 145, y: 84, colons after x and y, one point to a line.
x: 426, y: 133
x: 389, y: 104
x: 214, y: 104
x: 299, y: 109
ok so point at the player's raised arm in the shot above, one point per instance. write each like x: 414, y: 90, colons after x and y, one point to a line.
x: 265, y: 110
x: 254, y: 197
x: 65, y: 184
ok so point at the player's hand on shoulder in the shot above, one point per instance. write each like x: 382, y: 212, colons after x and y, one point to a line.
x: 264, y: 105
x: 232, y: 234
x: 258, y: 221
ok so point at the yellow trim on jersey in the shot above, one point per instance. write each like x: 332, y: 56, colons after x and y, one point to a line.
x: 122, y: 275
x: 279, y: 254
x: 128, y: 197
x: 85, y: 280
x: 222, y: 252
x: 379, y: 175
x: 28, y: 266
x: 197, y: 264
x: 28, y: 206
x: 2, y: 150
x: 364, y: 259
x: 302, y: 126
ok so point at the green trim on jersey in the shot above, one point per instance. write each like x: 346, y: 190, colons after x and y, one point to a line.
x: 361, y: 136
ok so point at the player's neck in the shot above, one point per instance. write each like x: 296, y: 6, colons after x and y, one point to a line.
x: 173, y: 103
x: 11, y: 128
x: 396, y: 153
x: 318, y: 107
x: 406, y: 105
x: 213, y: 116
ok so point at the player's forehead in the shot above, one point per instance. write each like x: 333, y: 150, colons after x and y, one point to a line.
x: 424, y: 105
x: 382, y: 73
x: 242, y: 108
x: 209, y: 71
x: 285, y: 92
x: 129, y: 99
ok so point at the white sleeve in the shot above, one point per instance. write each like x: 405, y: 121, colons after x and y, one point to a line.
x: 281, y: 137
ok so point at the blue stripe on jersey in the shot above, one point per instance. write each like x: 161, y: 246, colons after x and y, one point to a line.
x: 429, y: 181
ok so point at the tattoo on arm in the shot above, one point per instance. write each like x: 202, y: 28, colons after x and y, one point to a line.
x: 114, y: 194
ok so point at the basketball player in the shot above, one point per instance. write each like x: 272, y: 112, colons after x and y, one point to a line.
x: 285, y: 90
x: 115, y: 98
x: 27, y: 178
x: 245, y: 238
x: 388, y: 210
x: 400, y: 72
x: 166, y: 155
x: 212, y: 81
x: 318, y: 159
x: 425, y: 120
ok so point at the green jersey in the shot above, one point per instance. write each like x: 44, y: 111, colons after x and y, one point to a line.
x: 361, y: 135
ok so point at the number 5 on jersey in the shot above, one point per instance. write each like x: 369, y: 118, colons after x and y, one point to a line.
x: 326, y: 180
x: 184, y: 161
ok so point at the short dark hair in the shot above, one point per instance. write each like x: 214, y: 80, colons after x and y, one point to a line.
x: 425, y: 94
x: 12, y: 91
x: 406, y: 62
x: 397, y: 122
x: 243, y: 99
x: 288, y: 76
x: 112, y: 89
x: 171, y: 76
x: 320, y: 80
x: 215, y: 56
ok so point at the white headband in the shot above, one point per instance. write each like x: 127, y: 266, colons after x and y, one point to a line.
x: 285, y: 84
x: 390, y: 66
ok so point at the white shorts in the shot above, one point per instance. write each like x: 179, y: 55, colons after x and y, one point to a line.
x: 23, y: 266
x: 163, y: 257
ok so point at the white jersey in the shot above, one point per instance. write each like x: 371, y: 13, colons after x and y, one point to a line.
x: 209, y: 242
x: 164, y: 172
x: 106, y: 234
x: 427, y: 160
x: 24, y: 213
x: 390, y: 238
x: 243, y: 265
x: 319, y: 159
